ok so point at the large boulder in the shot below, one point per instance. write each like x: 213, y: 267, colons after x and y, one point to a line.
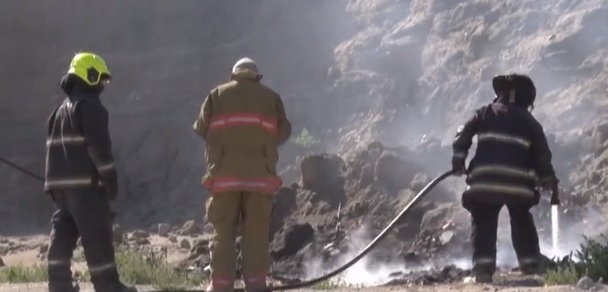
x: 284, y: 206
x: 394, y: 172
x: 324, y: 176
x: 291, y: 240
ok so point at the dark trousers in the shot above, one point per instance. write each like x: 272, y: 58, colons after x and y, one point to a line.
x: 523, y: 235
x: 83, y: 213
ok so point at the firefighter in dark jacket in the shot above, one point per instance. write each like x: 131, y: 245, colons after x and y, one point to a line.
x: 512, y: 159
x: 81, y: 178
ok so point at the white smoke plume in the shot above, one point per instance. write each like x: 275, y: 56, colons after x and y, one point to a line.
x: 363, y: 273
x: 571, y: 236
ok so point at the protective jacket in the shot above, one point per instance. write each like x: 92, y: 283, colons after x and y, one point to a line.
x: 78, y: 146
x: 243, y: 122
x: 512, y: 155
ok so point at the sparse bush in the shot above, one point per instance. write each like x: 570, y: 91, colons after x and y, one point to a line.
x: 562, y: 276
x: 590, y: 260
x: 327, y: 285
x: 23, y: 274
x: 138, y: 267
x: 305, y: 139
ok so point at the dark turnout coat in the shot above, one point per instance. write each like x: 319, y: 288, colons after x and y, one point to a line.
x: 78, y: 145
x: 511, y: 159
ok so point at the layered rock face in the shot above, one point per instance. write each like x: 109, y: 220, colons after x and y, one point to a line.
x: 405, y: 73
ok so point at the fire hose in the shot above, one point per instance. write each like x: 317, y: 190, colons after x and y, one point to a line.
x: 340, y: 269
x: 37, y: 177
x: 370, y: 246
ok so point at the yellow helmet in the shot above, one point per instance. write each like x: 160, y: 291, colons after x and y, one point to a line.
x: 89, y: 67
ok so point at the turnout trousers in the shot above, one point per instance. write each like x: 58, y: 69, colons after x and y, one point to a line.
x: 253, y: 211
x: 523, y: 236
x: 83, y: 213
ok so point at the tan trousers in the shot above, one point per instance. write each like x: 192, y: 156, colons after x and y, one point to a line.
x: 225, y: 211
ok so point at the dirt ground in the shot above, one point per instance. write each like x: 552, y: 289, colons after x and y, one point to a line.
x: 31, y: 250
x: 40, y: 287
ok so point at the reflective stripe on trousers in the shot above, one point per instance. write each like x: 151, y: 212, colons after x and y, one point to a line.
x: 525, y: 261
x: 52, y: 263
x: 101, y: 268
x: 484, y: 261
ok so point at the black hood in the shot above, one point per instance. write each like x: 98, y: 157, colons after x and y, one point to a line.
x: 72, y: 85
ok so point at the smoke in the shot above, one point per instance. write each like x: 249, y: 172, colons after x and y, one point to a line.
x: 571, y: 236
x: 366, y: 272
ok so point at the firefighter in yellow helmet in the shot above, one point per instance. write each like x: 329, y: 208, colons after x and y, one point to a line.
x: 242, y: 122
x: 81, y: 178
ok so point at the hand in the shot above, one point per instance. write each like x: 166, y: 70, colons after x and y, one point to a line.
x: 458, y: 167
x: 550, y: 186
x: 553, y: 186
x: 555, y: 194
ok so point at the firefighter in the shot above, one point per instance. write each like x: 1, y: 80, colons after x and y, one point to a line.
x: 512, y: 159
x: 242, y: 122
x: 81, y: 178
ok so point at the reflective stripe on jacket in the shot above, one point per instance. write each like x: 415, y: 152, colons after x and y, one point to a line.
x: 78, y: 146
x: 512, y: 155
x: 242, y: 122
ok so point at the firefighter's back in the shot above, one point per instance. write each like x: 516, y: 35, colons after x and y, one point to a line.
x: 503, y: 163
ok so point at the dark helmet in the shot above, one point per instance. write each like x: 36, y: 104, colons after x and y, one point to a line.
x: 517, y: 89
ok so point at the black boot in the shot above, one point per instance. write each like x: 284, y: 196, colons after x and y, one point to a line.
x: 114, y: 287
x: 63, y: 287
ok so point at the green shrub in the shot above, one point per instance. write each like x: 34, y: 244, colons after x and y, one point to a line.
x: 591, y: 260
x: 136, y: 266
x: 23, y: 274
x: 305, y: 139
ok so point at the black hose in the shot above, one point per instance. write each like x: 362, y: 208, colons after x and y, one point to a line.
x: 369, y: 247
x: 342, y: 268
x: 33, y: 175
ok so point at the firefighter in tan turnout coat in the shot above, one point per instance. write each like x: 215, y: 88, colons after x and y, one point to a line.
x: 242, y: 122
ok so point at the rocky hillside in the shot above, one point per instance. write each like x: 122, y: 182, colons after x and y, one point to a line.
x: 165, y: 58
x: 351, y: 72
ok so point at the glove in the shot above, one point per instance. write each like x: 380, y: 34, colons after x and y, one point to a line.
x: 111, y: 191
x: 553, y: 186
x: 555, y: 195
x: 458, y: 167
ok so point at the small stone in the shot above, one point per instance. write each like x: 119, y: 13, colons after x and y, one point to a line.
x: 142, y: 241
x: 173, y: 239
x: 208, y: 229
x: 4, y: 240
x: 140, y: 234
x: 585, y: 283
x: 190, y: 227
x: 163, y: 229
x: 185, y: 244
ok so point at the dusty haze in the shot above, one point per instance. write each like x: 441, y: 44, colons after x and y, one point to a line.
x: 350, y: 72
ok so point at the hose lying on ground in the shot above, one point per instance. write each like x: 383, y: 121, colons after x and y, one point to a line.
x: 347, y: 265
x: 369, y: 247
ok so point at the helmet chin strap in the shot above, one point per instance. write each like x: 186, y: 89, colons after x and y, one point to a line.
x: 512, y: 96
